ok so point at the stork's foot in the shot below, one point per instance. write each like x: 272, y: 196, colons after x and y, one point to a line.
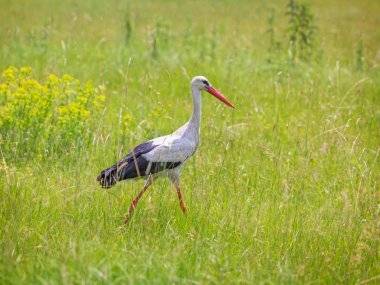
x: 131, y: 210
x: 127, y: 219
x: 183, y: 207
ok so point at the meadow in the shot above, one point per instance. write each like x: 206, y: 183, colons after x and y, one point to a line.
x: 284, y: 189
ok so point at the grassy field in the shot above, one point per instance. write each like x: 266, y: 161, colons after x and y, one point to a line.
x: 284, y: 189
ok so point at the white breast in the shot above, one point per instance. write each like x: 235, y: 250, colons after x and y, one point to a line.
x: 171, y: 148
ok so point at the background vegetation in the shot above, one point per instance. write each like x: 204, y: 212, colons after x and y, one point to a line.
x: 284, y: 189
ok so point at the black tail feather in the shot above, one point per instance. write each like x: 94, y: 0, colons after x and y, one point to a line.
x: 108, y: 177
x: 128, y: 167
x: 121, y: 171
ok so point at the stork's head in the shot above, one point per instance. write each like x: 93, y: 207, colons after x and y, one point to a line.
x: 202, y: 83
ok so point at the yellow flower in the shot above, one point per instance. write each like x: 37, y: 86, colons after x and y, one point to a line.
x: 10, y: 73
x: 26, y: 70
x: 85, y: 114
x: 128, y: 120
x: 31, y: 84
x: 67, y: 78
x: 99, y: 101
x: 3, y: 88
x: 53, y: 79
x: 59, y: 107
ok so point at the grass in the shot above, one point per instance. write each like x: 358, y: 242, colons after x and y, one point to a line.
x: 283, y: 189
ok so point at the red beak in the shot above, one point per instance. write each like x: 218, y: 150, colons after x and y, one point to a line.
x: 219, y: 95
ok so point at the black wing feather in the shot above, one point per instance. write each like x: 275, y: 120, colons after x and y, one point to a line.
x: 123, y: 169
x: 133, y: 165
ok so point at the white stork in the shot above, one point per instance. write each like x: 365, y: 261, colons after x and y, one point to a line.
x: 163, y: 155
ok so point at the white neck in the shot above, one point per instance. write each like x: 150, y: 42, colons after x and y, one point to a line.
x: 191, y: 128
x: 197, y: 106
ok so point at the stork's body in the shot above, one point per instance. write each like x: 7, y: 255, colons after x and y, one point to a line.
x: 163, y: 155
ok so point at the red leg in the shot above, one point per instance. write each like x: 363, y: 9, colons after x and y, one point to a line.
x: 174, y: 178
x: 137, y: 198
x: 181, y: 203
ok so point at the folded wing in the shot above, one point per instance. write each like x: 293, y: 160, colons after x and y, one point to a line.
x: 148, y: 158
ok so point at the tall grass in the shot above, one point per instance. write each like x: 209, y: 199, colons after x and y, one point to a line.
x: 283, y: 189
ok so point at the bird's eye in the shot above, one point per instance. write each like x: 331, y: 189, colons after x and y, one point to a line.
x: 205, y: 82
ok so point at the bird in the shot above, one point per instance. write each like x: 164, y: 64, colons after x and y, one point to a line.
x: 165, y: 155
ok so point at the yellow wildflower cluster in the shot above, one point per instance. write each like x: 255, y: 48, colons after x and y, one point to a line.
x: 34, y: 113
